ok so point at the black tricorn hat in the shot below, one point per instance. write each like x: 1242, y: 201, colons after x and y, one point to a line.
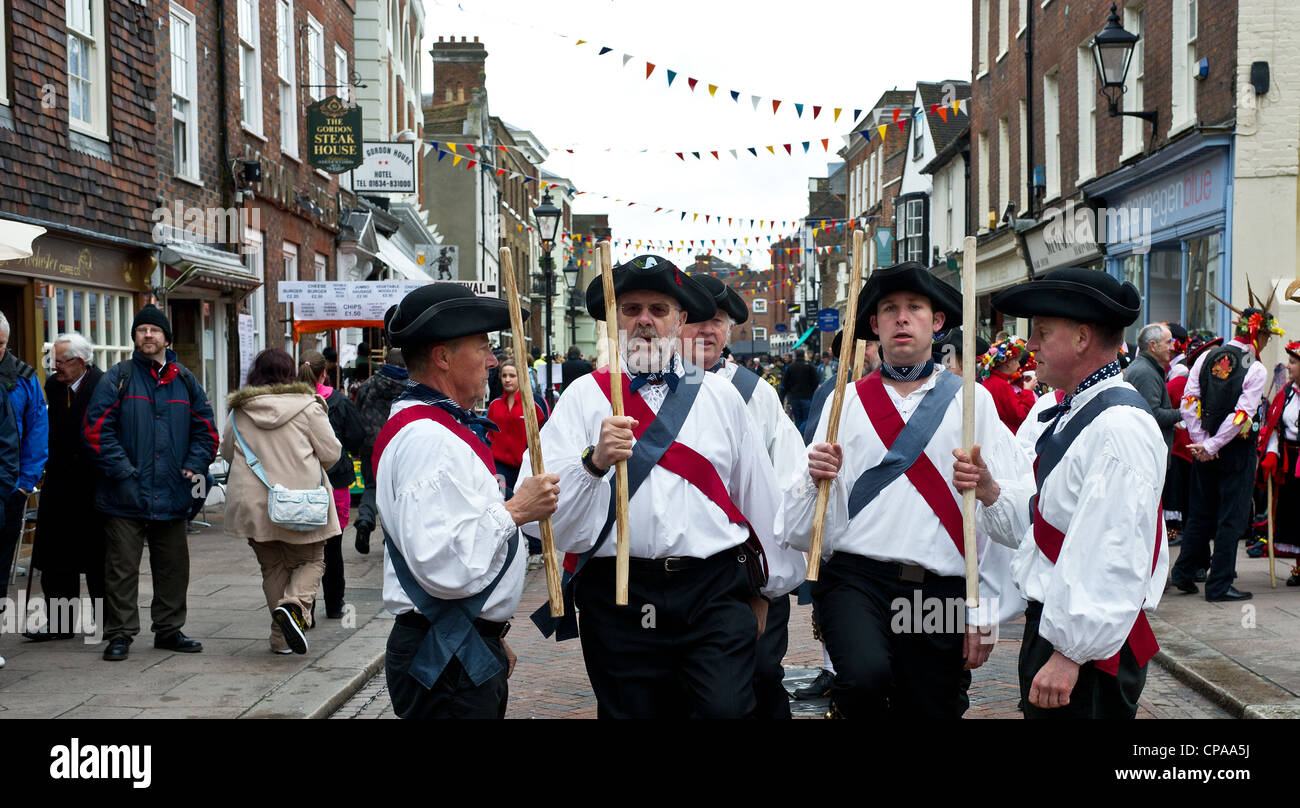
x: 906, y: 277
x: 726, y: 299
x: 953, y: 337
x: 445, y: 311
x: 1074, y: 293
x: 655, y: 274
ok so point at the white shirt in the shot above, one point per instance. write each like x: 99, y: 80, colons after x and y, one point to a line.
x: 444, y: 510
x: 669, y: 517
x: 1288, y: 423
x: 1103, y: 495
x: 784, y: 443
x: 898, y: 525
x: 75, y: 386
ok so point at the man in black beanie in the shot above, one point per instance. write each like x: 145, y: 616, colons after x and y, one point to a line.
x: 150, y: 431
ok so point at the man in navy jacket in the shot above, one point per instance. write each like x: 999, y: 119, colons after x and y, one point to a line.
x: 150, y: 430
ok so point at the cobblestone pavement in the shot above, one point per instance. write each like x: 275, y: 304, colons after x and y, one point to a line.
x: 550, y: 680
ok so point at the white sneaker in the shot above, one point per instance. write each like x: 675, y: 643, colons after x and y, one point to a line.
x: 282, y: 651
x: 2, y: 662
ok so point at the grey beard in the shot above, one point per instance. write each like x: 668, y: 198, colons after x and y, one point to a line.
x: 653, y: 357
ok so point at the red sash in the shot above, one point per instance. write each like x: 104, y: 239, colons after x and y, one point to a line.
x: 1141, y: 639
x: 681, y: 460
x: 420, y: 412
x: 923, y: 475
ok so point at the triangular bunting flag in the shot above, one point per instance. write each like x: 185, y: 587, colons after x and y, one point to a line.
x: 706, y: 218
x: 805, y: 147
x: 775, y: 105
x: 692, y: 82
x: 715, y: 155
x: 604, y: 51
x: 756, y: 99
x: 581, y: 42
x: 695, y: 217
x: 672, y: 74
x: 649, y: 68
x: 680, y: 156
x: 787, y: 148
x: 897, y: 112
x: 502, y: 148
x: 826, y: 144
x: 470, y: 147
x: 771, y: 150
x: 455, y: 160
x: 965, y: 105
x: 452, y: 147
x: 529, y: 179
x: 837, y: 115
x: 500, y: 171
x: 627, y: 57
x: 882, y: 129
x: 934, y: 108
x: 683, y: 216
x: 752, y: 151
x: 471, y: 165
x: 713, y: 88
x: 799, y: 109
x: 956, y: 106
x: 733, y: 154
x: 943, y: 114
x: 697, y: 154
x: 441, y: 154
x: 865, y: 135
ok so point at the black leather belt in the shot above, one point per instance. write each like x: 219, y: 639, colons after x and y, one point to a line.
x: 672, y: 563
x: 907, y: 573
x: 485, y: 628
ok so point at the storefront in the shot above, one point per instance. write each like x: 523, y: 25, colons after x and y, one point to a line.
x: 94, y: 288
x: 1168, y: 230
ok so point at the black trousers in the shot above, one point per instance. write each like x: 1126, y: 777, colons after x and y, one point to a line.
x: 1218, y: 508
x: 684, y: 646
x: 453, y: 695
x: 367, y: 509
x: 332, y: 581
x: 881, y: 671
x: 1096, y: 694
x: 769, y: 676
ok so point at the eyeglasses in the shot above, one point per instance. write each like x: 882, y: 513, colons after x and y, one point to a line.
x: 67, y: 361
x: 656, y: 309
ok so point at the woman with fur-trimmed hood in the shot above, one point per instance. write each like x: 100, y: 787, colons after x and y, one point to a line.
x: 286, y: 425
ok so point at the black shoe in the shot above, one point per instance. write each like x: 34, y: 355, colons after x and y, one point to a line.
x: 1294, y: 580
x: 1186, y: 587
x: 335, y: 614
x: 819, y: 688
x: 289, y: 619
x: 1200, y: 576
x: 117, y: 649
x: 311, y: 619
x: 177, y: 642
x: 363, y: 540
x: 1231, y: 594
x: 47, y: 635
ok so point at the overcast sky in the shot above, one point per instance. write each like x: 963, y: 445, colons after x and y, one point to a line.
x: 833, y: 53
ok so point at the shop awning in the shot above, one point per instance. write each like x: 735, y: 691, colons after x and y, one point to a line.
x: 804, y: 338
x: 193, y: 264
x: 390, y: 254
x: 16, y: 239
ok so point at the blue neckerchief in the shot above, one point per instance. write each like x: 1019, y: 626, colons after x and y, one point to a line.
x: 718, y: 366
x: 394, y: 372
x: 642, y: 379
x: 907, y: 373
x: 1055, y: 412
x: 427, y: 395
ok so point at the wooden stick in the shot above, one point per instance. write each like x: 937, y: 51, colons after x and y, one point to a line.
x: 622, y: 560
x: 968, y: 415
x: 837, y: 403
x: 1272, y: 574
x: 859, y: 357
x: 510, y: 287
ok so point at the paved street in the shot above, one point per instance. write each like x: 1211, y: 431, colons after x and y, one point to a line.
x: 550, y: 682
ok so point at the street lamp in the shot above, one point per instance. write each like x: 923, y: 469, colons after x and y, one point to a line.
x: 1112, y: 50
x: 548, y: 224
x: 571, y: 280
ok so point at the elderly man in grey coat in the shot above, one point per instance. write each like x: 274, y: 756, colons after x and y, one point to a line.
x: 1147, y: 374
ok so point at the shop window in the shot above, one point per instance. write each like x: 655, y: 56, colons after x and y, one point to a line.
x: 760, y: 333
x: 759, y: 306
x: 1203, y: 262
x: 1165, y: 286
x: 103, y: 318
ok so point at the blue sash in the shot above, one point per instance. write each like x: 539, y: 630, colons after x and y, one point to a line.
x: 909, y: 444
x: 452, y: 633
x: 646, y: 452
x: 745, y: 380
x: 1051, y: 447
x: 815, y: 408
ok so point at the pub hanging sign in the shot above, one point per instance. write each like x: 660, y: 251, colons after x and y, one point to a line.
x: 334, y: 135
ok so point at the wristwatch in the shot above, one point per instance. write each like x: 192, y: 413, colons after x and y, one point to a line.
x: 590, y: 464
